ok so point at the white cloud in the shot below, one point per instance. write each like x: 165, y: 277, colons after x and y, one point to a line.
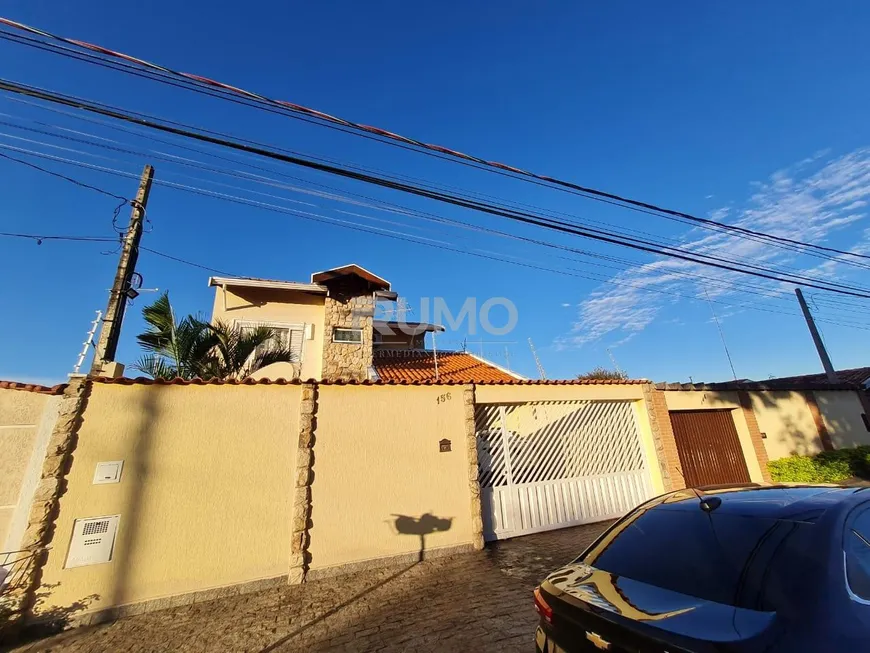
x: 566, y: 305
x: 808, y: 201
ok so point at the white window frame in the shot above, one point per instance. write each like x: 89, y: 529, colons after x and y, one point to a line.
x: 290, y: 326
x: 335, y: 330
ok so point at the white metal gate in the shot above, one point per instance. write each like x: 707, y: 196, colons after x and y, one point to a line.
x: 546, y: 465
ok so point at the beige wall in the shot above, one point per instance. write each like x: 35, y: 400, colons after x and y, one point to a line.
x: 205, y: 497
x: 22, y: 414
x: 710, y: 400
x: 785, y: 418
x: 283, y: 306
x: 377, y: 457
x: 841, y: 413
x: 500, y: 394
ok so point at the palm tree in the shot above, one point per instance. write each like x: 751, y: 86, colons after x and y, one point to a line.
x: 194, y: 348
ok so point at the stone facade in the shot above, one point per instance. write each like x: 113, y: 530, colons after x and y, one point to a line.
x: 473, y: 473
x: 299, y: 556
x: 44, y: 509
x: 754, y: 433
x: 663, y: 437
x: 350, y: 304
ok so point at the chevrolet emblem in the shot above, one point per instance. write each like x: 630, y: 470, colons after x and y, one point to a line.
x: 598, y: 641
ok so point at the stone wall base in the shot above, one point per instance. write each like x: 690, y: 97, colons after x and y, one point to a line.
x: 390, y: 561
x: 152, y: 605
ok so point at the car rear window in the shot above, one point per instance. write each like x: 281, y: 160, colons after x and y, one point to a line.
x: 720, y: 557
x: 857, y: 548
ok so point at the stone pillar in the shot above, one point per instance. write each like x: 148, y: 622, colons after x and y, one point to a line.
x: 44, y: 510
x: 663, y: 437
x: 754, y: 433
x: 351, y: 307
x: 301, y: 517
x: 473, y: 482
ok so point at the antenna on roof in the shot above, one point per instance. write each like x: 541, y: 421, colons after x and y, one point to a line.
x: 537, y: 360
x: 613, y: 360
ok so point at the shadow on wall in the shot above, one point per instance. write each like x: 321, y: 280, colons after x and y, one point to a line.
x: 421, y: 526
x: 51, y: 619
x: 137, y: 478
x: 799, y: 436
x: 842, y: 414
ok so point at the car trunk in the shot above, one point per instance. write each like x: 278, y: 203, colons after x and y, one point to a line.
x: 594, y: 610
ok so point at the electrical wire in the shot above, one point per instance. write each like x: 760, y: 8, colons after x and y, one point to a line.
x: 417, y: 240
x: 40, y: 238
x: 517, y: 216
x: 710, y: 280
x: 204, y: 82
x: 69, y: 179
x: 257, y: 178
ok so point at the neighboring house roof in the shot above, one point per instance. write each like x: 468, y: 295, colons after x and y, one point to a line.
x: 273, y: 284
x: 849, y: 380
x: 410, y: 328
x: 855, y: 376
x: 350, y: 270
x: 318, y: 279
x: 419, y: 365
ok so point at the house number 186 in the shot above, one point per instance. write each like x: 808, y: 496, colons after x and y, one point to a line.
x: 442, y: 398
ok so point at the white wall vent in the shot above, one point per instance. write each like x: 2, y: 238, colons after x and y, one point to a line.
x: 93, y: 541
x: 108, y: 472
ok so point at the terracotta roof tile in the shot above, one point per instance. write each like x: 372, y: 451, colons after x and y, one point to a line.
x: 412, y: 365
x: 511, y: 381
x: 141, y: 380
x: 32, y: 387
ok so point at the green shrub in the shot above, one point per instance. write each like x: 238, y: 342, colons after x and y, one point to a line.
x: 826, y: 467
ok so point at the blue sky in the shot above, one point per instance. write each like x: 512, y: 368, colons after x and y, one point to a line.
x: 753, y: 115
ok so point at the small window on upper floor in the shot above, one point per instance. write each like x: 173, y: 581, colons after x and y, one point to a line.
x: 352, y: 336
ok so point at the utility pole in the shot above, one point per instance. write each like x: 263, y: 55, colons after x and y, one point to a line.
x: 817, y: 339
x: 110, y: 331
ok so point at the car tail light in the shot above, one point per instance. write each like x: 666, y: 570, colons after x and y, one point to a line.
x: 542, y: 607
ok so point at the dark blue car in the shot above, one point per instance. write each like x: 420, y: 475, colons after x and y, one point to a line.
x: 750, y: 569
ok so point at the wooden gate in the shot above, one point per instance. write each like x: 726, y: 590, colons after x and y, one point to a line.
x: 550, y: 464
x: 709, y: 447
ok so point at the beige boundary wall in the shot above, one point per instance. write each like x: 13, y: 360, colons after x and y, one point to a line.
x: 841, y: 414
x: 26, y: 420
x: 204, y: 500
x: 231, y: 487
x: 378, y: 470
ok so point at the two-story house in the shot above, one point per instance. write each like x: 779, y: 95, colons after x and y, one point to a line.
x: 329, y: 323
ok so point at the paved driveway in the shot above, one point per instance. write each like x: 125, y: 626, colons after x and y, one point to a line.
x: 470, y: 602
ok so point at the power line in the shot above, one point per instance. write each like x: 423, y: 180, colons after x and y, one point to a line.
x: 416, y: 240
x: 517, y: 216
x: 259, y: 179
x: 104, y: 239
x: 40, y: 238
x: 415, y: 214
x: 69, y: 179
x: 315, y: 217
x: 128, y: 63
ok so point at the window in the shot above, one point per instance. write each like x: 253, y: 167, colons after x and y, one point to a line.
x: 353, y: 336
x: 730, y: 559
x: 290, y: 336
x: 857, y: 549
